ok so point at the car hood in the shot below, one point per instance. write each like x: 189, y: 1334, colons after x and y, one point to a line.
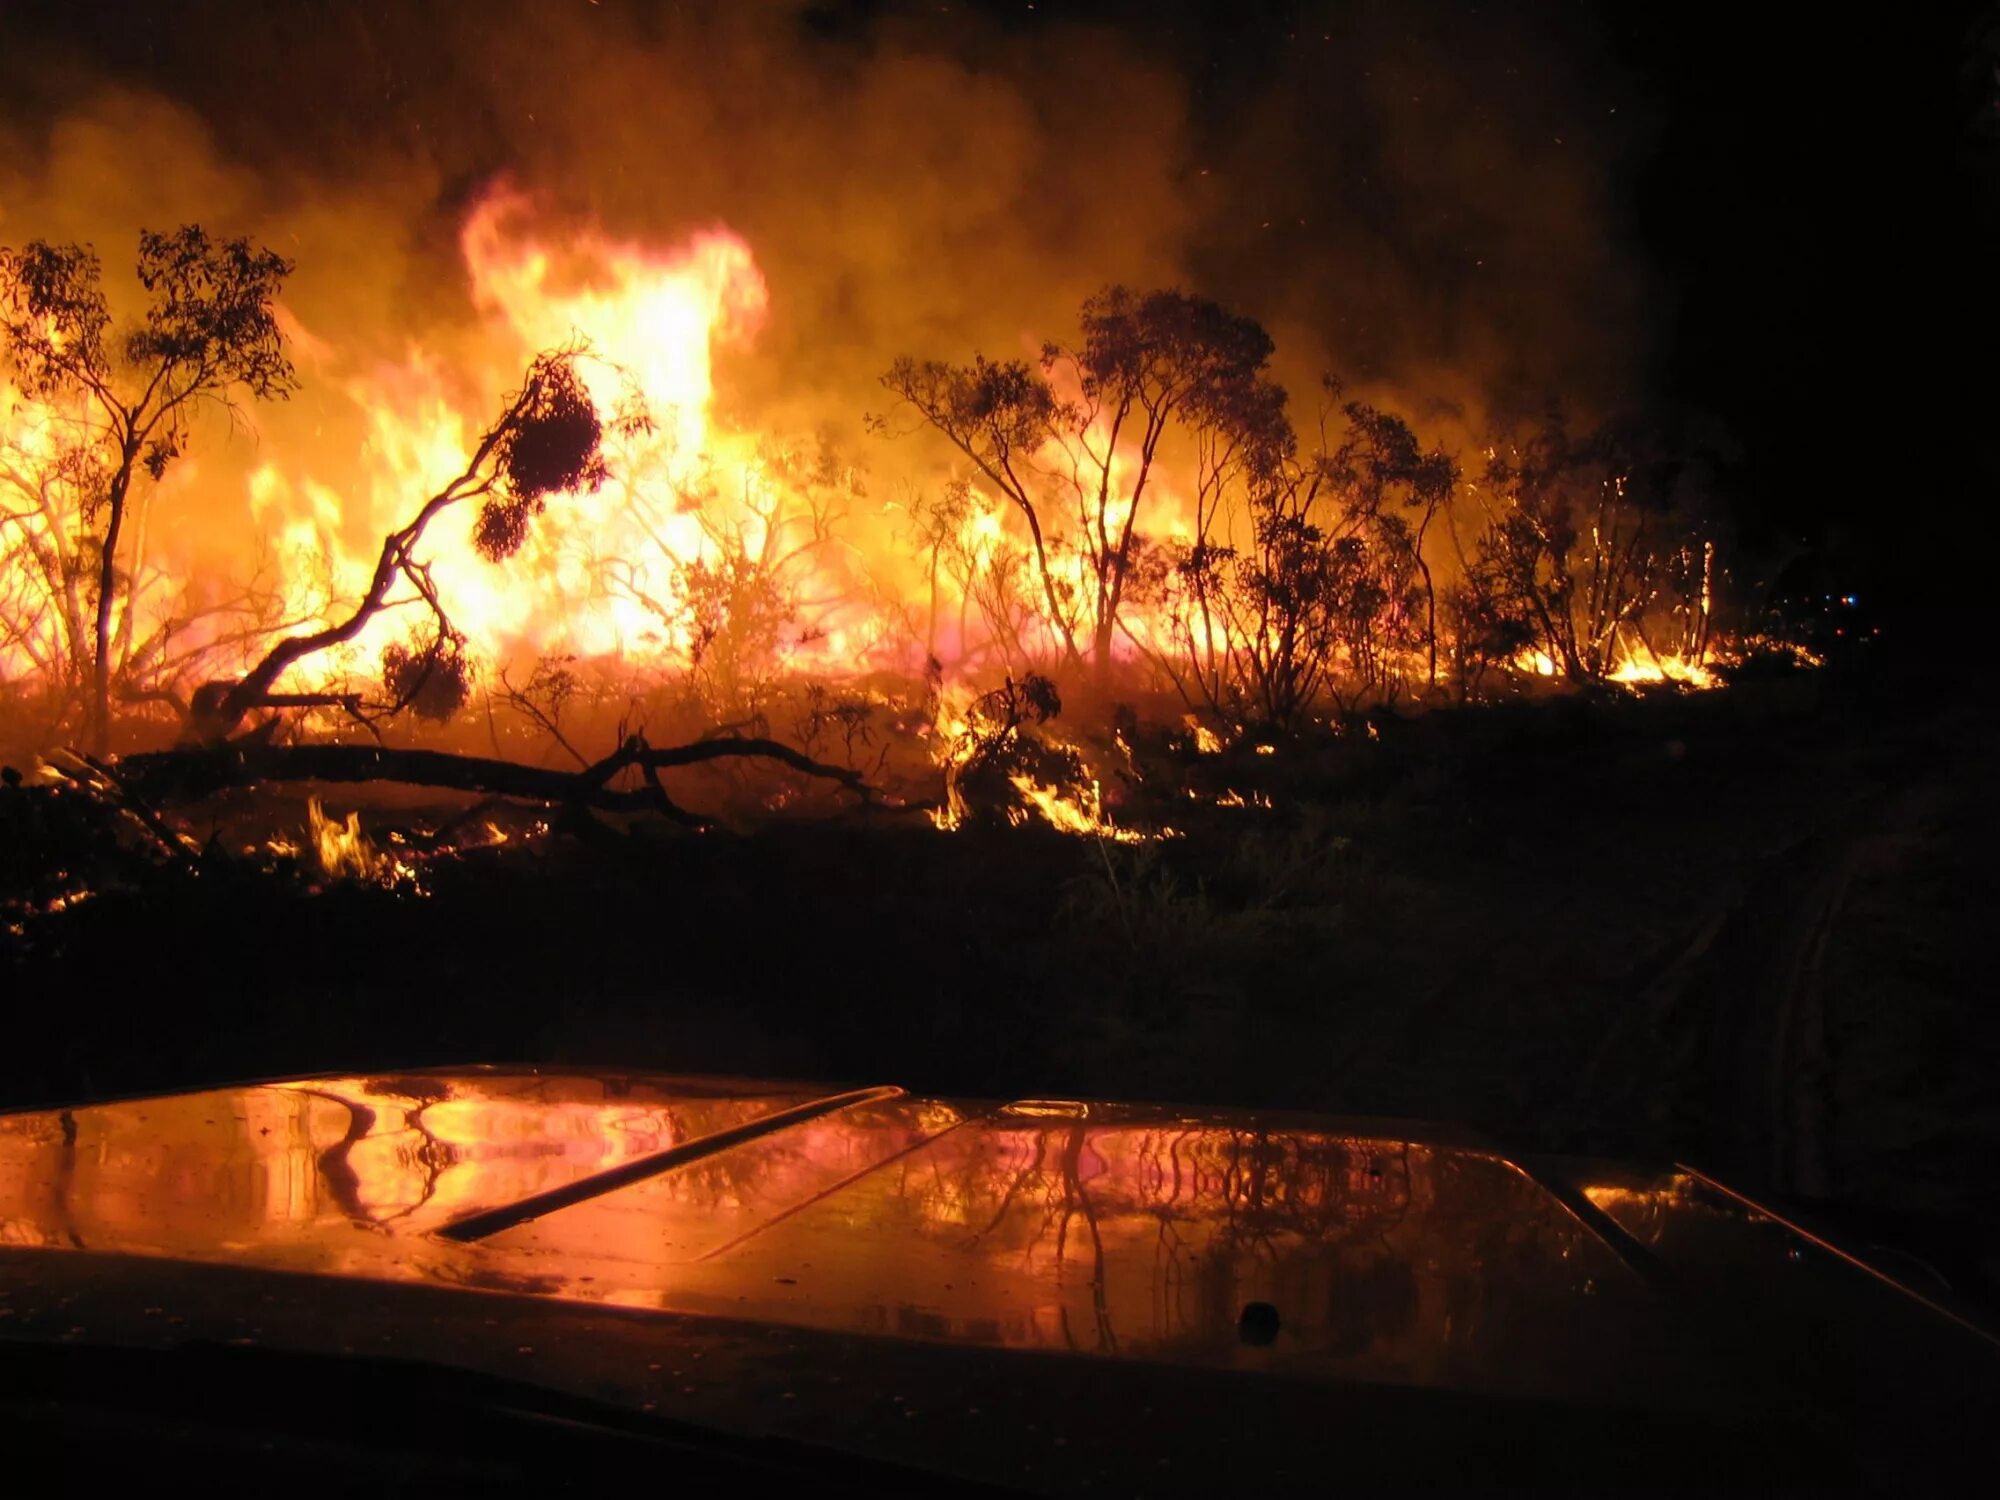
x: 1350, y: 1253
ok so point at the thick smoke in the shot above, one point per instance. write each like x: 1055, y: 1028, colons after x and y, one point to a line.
x: 1399, y: 189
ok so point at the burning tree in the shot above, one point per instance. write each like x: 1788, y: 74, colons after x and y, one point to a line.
x: 1306, y: 577
x: 546, y: 442
x: 1584, y: 545
x: 757, y: 578
x: 1076, y: 446
x: 1391, y: 489
x: 121, y: 403
x: 171, y: 628
x: 966, y: 547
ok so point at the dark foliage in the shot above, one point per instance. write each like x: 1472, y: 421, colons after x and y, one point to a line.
x: 548, y: 445
x: 210, y: 330
x: 433, y: 681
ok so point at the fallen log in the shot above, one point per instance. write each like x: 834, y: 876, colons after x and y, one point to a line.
x: 191, y: 772
x: 91, y: 776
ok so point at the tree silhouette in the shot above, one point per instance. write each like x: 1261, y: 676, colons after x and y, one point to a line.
x: 1306, y: 573
x: 1586, y: 541
x: 546, y: 442
x: 208, y: 332
x: 1075, y: 446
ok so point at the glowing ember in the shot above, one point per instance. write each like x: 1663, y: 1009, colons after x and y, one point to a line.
x: 1206, y: 740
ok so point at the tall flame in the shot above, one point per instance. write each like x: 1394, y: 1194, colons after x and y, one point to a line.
x: 599, y: 573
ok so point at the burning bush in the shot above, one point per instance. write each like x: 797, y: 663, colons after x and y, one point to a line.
x: 997, y: 766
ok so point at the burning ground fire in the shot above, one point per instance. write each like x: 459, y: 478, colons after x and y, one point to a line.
x: 724, y: 565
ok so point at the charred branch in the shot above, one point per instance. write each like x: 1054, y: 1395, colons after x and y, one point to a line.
x: 546, y: 442
x: 196, y: 771
x: 98, y: 780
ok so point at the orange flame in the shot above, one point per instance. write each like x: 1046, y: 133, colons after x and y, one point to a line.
x: 703, y: 520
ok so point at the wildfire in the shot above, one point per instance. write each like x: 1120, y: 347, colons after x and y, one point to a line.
x: 1645, y: 669
x: 1230, y: 797
x: 719, y: 555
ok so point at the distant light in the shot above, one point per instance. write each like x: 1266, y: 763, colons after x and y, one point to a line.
x: 1849, y: 600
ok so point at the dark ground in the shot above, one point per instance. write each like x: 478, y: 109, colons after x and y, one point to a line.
x: 1744, y: 928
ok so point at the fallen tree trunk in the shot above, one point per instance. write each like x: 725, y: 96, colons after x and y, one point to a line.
x: 197, y: 771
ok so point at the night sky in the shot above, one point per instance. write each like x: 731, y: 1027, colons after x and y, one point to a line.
x: 1806, y: 210
x: 1815, y: 201
x: 1823, y: 202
